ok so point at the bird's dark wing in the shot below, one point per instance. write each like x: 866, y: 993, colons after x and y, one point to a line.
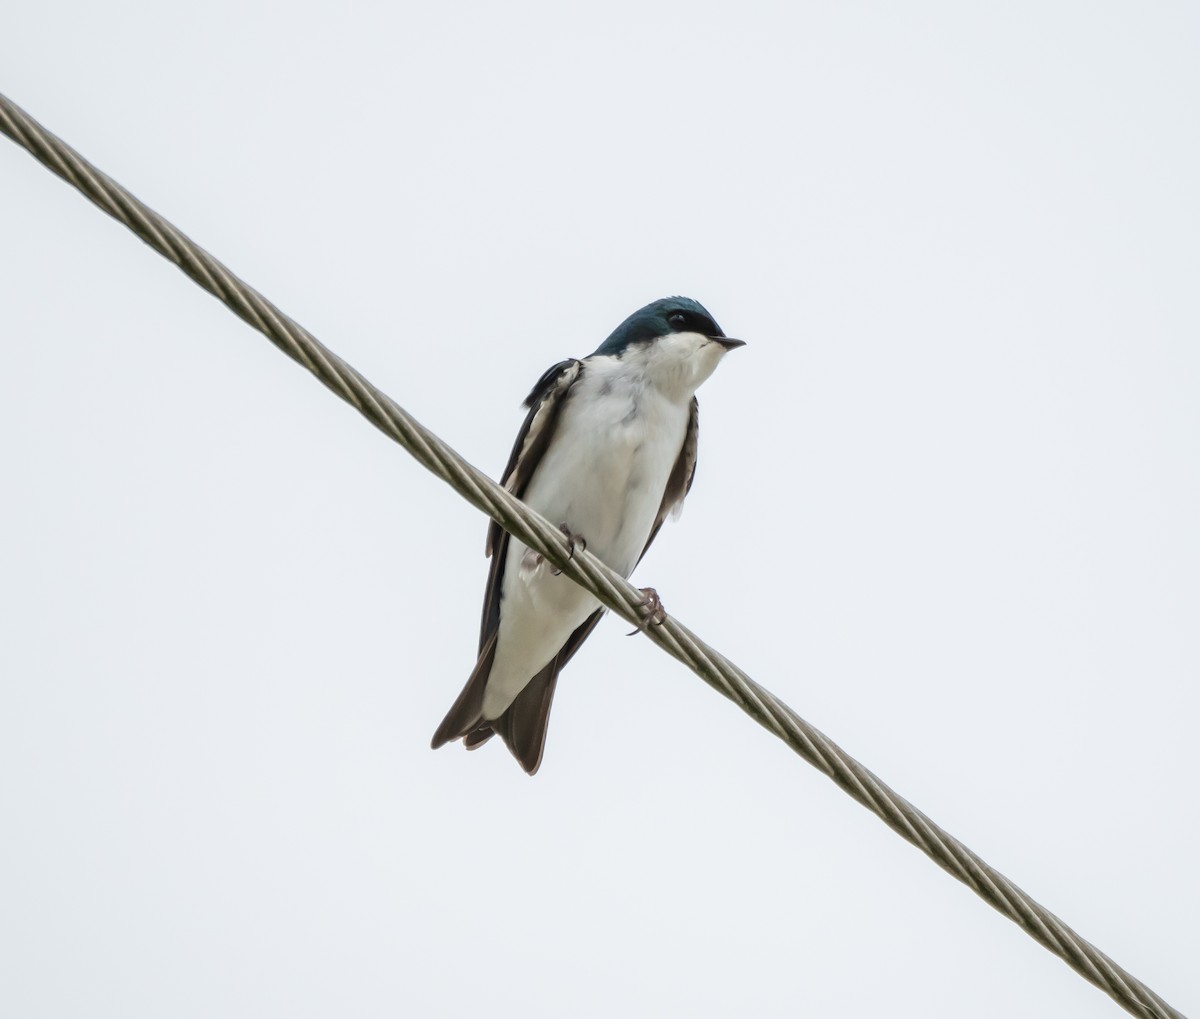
x: 682, y: 475
x: 545, y: 402
x: 525, y: 731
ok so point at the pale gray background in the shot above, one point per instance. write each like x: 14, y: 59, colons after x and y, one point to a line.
x: 947, y: 506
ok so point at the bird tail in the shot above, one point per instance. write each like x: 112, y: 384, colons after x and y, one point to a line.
x: 466, y: 713
x: 522, y: 725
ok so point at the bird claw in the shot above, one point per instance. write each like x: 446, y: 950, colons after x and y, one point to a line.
x: 573, y: 540
x: 651, y: 610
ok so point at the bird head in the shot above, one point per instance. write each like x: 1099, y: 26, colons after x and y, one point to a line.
x: 674, y: 341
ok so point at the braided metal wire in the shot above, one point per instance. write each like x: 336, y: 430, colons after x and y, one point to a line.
x: 585, y: 569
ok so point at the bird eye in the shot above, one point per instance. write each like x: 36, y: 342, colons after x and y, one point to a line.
x: 678, y: 319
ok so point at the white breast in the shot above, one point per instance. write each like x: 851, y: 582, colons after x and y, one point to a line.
x: 605, y: 472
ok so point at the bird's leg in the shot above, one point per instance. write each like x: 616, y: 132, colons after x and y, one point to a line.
x: 651, y: 610
x: 573, y: 539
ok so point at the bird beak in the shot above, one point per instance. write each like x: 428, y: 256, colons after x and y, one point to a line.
x: 727, y: 343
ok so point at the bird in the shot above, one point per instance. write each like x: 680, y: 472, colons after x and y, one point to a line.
x: 607, y: 451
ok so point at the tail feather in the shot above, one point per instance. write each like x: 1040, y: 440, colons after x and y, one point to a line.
x: 523, y: 724
x: 466, y: 713
x: 477, y: 737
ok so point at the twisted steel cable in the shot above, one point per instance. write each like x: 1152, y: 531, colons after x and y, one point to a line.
x: 585, y: 569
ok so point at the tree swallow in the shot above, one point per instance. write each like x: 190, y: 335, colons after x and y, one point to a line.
x: 607, y: 450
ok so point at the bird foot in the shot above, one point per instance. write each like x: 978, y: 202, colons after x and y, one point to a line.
x: 651, y: 610
x: 574, y: 540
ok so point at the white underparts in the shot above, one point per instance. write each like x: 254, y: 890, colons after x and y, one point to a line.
x: 616, y: 441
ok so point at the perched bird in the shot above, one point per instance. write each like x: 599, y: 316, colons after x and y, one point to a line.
x: 607, y: 450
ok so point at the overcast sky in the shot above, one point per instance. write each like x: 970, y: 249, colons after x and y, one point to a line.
x: 947, y: 507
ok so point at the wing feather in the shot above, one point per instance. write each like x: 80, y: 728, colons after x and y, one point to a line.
x: 682, y: 475
x: 545, y: 402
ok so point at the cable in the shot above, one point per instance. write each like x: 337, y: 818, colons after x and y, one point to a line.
x: 585, y: 569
